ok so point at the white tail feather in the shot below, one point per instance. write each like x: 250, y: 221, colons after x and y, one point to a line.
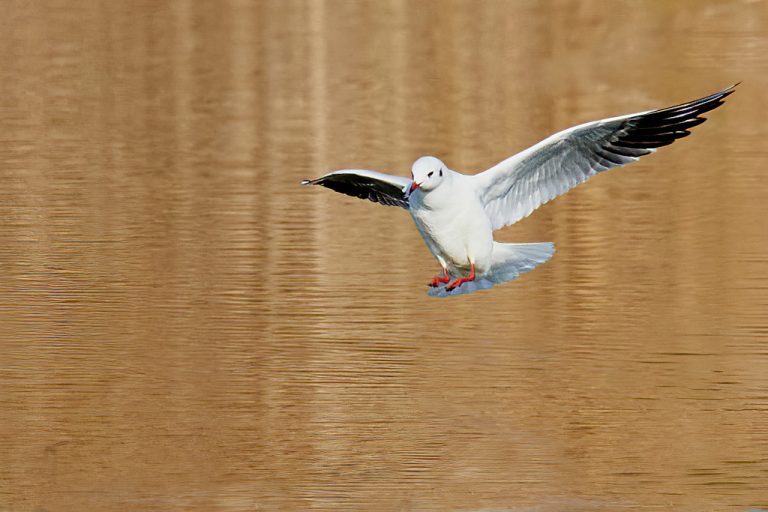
x: 511, y: 260
x: 507, y: 263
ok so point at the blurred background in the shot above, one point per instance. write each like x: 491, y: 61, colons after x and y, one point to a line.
x: 184, y: 327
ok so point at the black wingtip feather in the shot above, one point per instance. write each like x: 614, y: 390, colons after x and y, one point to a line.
x: 362, y: 187
x: 662, y: 127
x: 700, y: 105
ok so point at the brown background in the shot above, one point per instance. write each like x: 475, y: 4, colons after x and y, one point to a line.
x: 183, y: 327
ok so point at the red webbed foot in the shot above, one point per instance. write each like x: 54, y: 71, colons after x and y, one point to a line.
x: 458, y: 282
x: 438, y: 280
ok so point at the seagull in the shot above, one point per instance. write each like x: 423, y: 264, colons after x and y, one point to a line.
x: 456, y: 214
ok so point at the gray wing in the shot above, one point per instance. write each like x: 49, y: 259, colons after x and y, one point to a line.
x: 374, y: 186
x: 512, y: 189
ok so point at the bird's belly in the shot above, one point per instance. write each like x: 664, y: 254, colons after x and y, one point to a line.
x: 456, y: 237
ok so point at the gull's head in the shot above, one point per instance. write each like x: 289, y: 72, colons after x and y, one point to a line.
x: 427, y: 173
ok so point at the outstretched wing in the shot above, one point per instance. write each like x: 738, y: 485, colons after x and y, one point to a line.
x: 374, y: 186
x: 512, y: 189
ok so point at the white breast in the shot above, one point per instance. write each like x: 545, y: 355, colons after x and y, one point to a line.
x: 454, y: 225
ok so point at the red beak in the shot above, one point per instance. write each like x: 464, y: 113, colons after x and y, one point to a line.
x: 414, y: 186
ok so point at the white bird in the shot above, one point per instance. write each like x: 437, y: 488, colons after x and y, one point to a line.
x: 456, y: 213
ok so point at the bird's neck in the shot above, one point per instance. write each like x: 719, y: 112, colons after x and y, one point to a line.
x: 437, y: 197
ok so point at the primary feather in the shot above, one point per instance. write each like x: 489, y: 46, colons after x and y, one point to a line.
x: 374, y: 186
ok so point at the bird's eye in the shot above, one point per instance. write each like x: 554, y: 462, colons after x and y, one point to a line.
x: 430, y: 174
x: 441, y: 172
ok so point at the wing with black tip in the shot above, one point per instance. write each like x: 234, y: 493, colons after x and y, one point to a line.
x: 512, y: 189
x: 374, y: 186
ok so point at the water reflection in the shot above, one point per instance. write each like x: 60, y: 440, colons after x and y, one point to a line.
x: 184, y: 327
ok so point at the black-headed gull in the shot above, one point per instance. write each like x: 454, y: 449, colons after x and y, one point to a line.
x: 456, y: 213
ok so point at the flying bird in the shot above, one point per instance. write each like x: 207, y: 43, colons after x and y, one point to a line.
x: 456, y: 213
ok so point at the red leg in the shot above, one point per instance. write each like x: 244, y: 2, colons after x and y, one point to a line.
x: 437, y: 280
x: 461, y: 280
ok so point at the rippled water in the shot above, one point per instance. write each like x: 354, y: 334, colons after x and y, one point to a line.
x: 183, y: 327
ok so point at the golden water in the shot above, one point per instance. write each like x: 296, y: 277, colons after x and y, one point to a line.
x: 184, y: 327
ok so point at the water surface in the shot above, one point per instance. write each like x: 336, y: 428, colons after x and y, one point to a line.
x: 183, y: 327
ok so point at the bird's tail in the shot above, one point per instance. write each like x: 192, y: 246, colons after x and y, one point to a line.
x: 511, y: 260
x: 507, y: 263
